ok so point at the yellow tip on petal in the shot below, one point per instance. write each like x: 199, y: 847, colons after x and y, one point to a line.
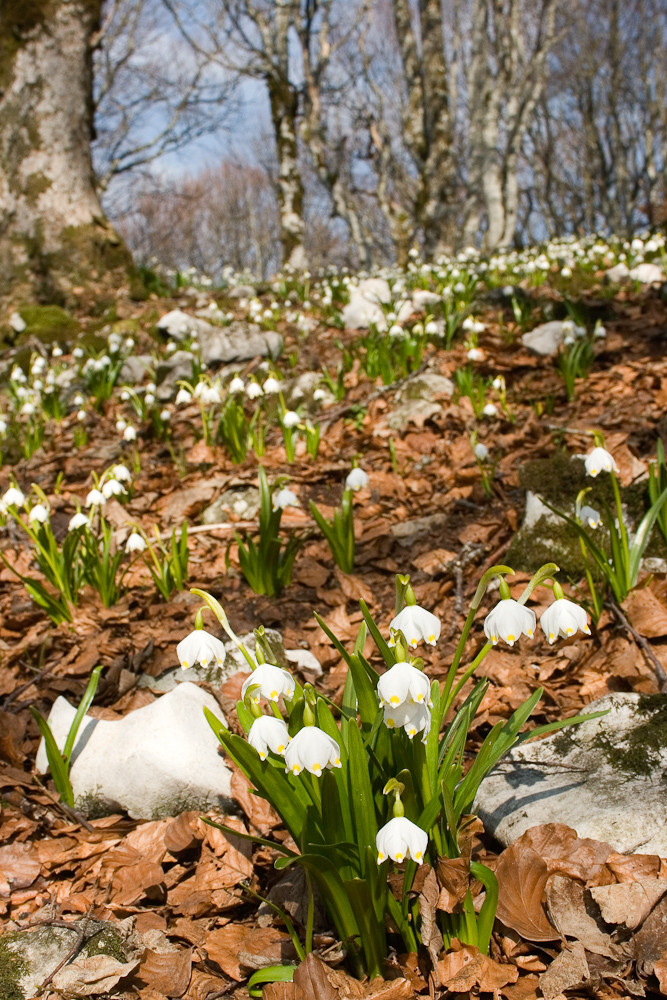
x: 380, y: 858
x: 280, y: 748
x: 399, y: 858
x: 184, y: 664
x: 509, y: 638
x: 420, y: 697
x: 529, y: 633
x: 389, y: 723
x: 551, y: 636
x: 414, y: 642
x: 431, y: 638
x: 262, y: 755
x: 393, y: 700
x: 295, y: 769
x: 418, y: 856
x: 337, y: 762
x: 568, y: 631
x: 203, y: 662
x: 274, y: 694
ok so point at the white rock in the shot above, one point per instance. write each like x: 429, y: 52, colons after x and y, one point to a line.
x: 618, y: 274
x: 239, y: 341
x: 544, y: 339
x: 305, y: 660
x: 17, y: 323
x: 535, y: 509
x: 648, y: 274
x: 604, y: 778
x: 363, y: 308
x: 178, y: 324
x: 157, y: 761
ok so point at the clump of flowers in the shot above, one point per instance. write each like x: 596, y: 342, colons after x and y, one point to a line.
x: 357, y: 792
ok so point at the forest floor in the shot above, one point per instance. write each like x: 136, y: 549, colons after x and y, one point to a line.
x: 180, y: 882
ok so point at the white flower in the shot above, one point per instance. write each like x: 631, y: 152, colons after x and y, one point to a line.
x: 165, y: 415
x: 129, y: 434
x: 357, y: 479
x: 124, y: 396
x: 268, y: 733
x: 590, y: 516
x: 403, y: 683
x: 271, y: 385
x: 285, y: 498
x: 112, y: 488
x: 399, y: 839
x: 481, y: 452
x: 291, y: 418
x: 490, y: 410
x: 412, y: 716
x: 200, y: 647
x: 3, y: 426
x: 416, y: 624
x: 57, y: 352
x: 77, y: 353
x: 78, y: 521
x: 319, y: 395
x: 38, y: 513
x: 313, y: 749
x: 135, y: 543
x: 563, y: 618
x: 474, y: 354
x: 149, y: 399
x: 81, y: 416
x: 271, y: 681
x: 183, y: 397
x: 431, y: 328
x: 236, y: 385
x: 95, y: 498
x: 210, y: 395
x: 151, y: 387
x: 599, y: 460
x: 254, y: 390
x: 121, y: 425
x: 121, y: 473
x: 14, y: 497
x: 508, y: 620
x: 28, y: 409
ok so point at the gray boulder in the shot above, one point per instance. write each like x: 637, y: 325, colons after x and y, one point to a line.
x: 605, y: 778
x: 241, y: 500
x: 170, y: 372
x: 180, y: 325
x: 134, y: 369
x: 545, y: 339
x: 240, y: 341
x: 417, y: 399
x: 159, y: 760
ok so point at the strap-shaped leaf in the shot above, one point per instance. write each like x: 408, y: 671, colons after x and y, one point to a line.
x: 373, y: 936
x: 84, y: 705
x: 487, y: 914
x: 379, y: 640
x: 57, y: 767
x: 363, y: 807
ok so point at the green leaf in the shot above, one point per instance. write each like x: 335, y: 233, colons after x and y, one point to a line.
x: 275, y: 844
x: 378, y: 639
x: 641, y: 538
x: 361, y: 792
x: 487, y: 914
x: 373, y: 937
x: 270, y: 974
x: 57, y: 766
x: 84, y: 705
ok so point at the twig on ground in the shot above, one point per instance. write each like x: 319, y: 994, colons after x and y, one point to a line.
x: 80, y: 931
x: 650, y: 656
x: 70, y: 813
x: 24, y: 687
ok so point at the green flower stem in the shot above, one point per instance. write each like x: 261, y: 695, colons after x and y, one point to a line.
x: 623, y: 532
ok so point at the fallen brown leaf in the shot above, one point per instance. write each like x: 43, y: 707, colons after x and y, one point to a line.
x: 568, y: 970
x: 628, y: 903
x: 312, y: 982
x: 168, y: 973
x: 646, y: 613
x: 651, y: 939
x: 87, y: 977
x: 522, y: 876
x: 570, y: 908
x: 430, y: 932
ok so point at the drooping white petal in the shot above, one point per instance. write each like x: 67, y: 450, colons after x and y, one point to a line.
x: 401, y: 683
x: 268, y: 733
x: 357, y: 479
x: 509, y: 620
x: 313, y: 750
x: 417, y: 624
x: 271, y: 681
x: 563, y: 618
x: 200, y: 647
x: 399, y: 839
x: 599, y: 460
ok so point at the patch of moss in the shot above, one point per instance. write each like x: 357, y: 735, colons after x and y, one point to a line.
x: 12, y: 969
x: 47, y: 323
x: 105, y: 942
x: 640, y: 752
x: 36, y: 184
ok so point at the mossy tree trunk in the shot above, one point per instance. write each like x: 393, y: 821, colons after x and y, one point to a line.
x: 53, y: 232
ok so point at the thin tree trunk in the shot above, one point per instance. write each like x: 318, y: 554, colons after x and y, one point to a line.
x: 52, y: 227
x: 284, y: 109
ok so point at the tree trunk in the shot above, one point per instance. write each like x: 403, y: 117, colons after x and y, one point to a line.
x: 52, y: 228
x: 284, y: 109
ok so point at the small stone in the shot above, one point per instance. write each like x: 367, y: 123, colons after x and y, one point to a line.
x: 545, y: 339
x: 240, y: 341
x: 363, y: 307
x: 17, y: 323
x: 170, y: 372
x: 242, y: 292
x: 618, y: 274
x: 407, y: 532
x: 416, y: 411
x: 647, y: 274
x: 242, y: 501
x: 134, y: 369
x: 430, y: 386
x: 179, y: 324
x: 305, y: 660
x: 159, y: 760
x: 604, y: 778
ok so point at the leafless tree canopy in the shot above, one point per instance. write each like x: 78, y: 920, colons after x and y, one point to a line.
x: 437, y: 123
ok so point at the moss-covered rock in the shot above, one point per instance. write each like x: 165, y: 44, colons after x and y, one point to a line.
x: 50, y: 324
x: 545, y: 537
